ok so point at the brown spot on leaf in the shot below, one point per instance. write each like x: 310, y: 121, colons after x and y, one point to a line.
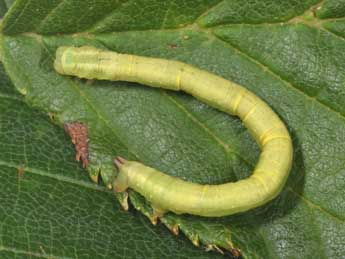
x: 79, y: 135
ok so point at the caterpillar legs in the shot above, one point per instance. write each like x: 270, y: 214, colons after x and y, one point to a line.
x: 157, y: 213
x: 121, y: 185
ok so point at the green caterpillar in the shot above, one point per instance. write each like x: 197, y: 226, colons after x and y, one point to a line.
x: 167, y: 193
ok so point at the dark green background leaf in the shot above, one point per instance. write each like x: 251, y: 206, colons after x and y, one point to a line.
x: 289, y: 53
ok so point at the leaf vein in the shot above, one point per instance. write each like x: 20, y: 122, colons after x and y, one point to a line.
x: 50, y: 13
x: 279, y: 77
x: 106, y: 16
x: 56, y: 177
x: 19, y: 16
x: 315, y: 206
x: 30, y: 254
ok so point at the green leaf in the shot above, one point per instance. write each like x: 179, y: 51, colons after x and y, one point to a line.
x: 50, y: 209
x: 284, y: 51
x: 4, y: 6
x: 333, y: 12
x: 331, y: 9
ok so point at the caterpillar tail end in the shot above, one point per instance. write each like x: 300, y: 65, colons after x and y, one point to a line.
x: 121, y: 181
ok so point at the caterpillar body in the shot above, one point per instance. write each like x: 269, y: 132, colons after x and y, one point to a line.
x: 167, y: 193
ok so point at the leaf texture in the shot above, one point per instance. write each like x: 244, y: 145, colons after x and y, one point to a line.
x: 289, y: 53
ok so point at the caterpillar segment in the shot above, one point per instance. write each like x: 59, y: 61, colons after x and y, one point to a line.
x: 168, y: 193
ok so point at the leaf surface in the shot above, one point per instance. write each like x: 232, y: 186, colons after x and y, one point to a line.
x: 288, y: 53
x: 50, y: 209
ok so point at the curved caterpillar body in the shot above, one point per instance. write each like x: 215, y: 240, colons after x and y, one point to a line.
x: 167, y: 193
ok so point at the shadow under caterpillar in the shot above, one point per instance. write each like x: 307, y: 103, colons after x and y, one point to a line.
x: 167, y: 193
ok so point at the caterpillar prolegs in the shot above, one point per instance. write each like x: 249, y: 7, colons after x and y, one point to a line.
x: 167, y: 193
